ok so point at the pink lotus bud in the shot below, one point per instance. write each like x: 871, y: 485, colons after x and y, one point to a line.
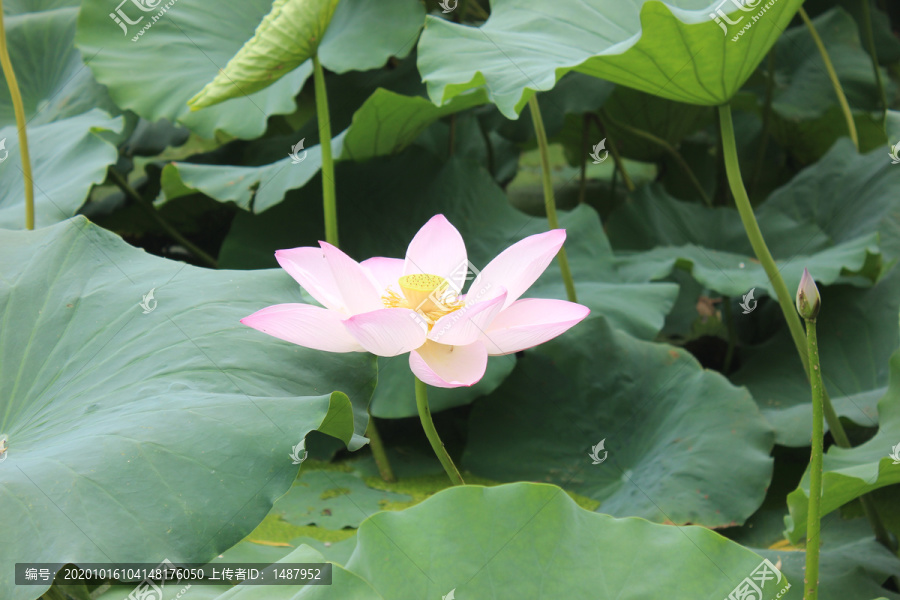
x: 808, y: 299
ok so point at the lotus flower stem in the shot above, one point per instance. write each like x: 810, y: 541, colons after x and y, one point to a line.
x: 329, y: 202
x: 742, y: 201
x: 379, y: 453
x: 676, y: 156
x: 813, y: 518
x: 873, y: 54
x: 432, y: 434
x: 329, y: 198
x: 149, y: 207
x: 842, y: 99
x: 19, y: 110
x: 549, y: 201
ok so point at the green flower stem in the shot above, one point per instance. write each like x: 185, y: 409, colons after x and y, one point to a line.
x: 19, y: 110
x: 665, y: 146
x: 329, y: 201
x: 549, y: 201
x: 329, y: 198
x: 742, y: 201
x: 150, y: 209
x: 379, y: 453
x: 733, y: 172
x: 813, y: 518
x: 842, y: 99
x: 436, y: 443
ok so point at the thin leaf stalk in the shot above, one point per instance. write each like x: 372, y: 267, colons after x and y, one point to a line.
x: 549, y: 200
x: 832, y: 74
x: 329, y: 197
x: 21, y: 124
x: 329, y: 202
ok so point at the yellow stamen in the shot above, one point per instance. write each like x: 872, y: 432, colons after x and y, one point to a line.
x: 429, y: 295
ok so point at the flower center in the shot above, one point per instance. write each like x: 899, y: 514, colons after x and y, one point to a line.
x: 429, y: 295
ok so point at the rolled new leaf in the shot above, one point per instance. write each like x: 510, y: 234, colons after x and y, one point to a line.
x: 288, y: 36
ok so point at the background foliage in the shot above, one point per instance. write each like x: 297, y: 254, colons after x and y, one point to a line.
x: 140, y: 436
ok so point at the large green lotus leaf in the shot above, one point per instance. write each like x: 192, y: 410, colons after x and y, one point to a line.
x: 291, y: 34
x: 331, y: 499
x: 671, y: 49
x: 858, y: 332
x: 847, y: 195
x: 52, y: 77
x: 67, y: 158
x: 851, y: 472
x: 664, y: 421
x: 287, y: 37
x: 400, y: 194
x: 351, y: 43
x: 528, y: 540
x: 385, y: 124
x: 173, y: 422
x: 663, y: 233
x: 252, y: 188
x: 203, y: 36
x: 18, y: 7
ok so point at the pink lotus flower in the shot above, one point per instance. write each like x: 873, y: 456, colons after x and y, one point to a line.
x: 389, y: 306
